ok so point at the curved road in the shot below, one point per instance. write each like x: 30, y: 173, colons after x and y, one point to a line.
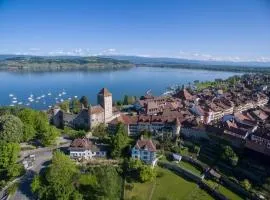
x: 24, y: 190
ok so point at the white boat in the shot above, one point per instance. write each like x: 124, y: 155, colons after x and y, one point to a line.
x: 60, y: 95
x: 49, y: 106
x: 75, y: 97
x: 69, y: 98
x: 38, y: 98
x: 56, y: 98
x: 11, y: 105
x: 14, y: 101
x: 14, y: 98
x: 11, y: 95
x: 63, y: 93
x: 28, y: 104
x: 43, y: 96
x: 31, y: 100
x: 37, y: 101
x: 20, y: 103
x: 49, y: 94
x: 62, y: 100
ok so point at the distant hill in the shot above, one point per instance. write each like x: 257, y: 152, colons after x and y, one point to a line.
x: 165, y: 60
x: 60, y: 63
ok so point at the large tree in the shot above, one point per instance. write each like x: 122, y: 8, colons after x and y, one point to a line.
x: 58, y: 182
x: 119, y: 141
x: 11, y: 128
x: 9, y: 153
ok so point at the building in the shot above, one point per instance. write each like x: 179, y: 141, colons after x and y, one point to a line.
x: 104, y: 99
x: 83, y: 148
x: 134, y: 125
x: 89, y: 117
x: 145, y: 150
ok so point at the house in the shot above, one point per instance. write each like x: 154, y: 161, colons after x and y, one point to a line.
x: 144, y: 150
x: 83, y: 148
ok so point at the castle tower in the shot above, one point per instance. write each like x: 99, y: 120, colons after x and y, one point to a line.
x: 177, y: 127
x: 105, y: 100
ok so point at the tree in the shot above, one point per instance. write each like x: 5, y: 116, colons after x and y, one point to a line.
x: 108, y: 183
x: 147, y: 173
x: 139, y: 171
x: 119, y: 141
x: 75, y: 106
x: 58, y: 182
x: 229, y: 155
x: 246, y: 184
x: 125, y: 101
x: 84, y: 101
x: 11, y: 128
x: 48, y: 136
x: 9, y: 153
x: 29, y: 132
x: 64, y: 106
x: 100, y: 131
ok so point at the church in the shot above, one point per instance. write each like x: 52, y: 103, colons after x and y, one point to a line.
x: 88, y: 117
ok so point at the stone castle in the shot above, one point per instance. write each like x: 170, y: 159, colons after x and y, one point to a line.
x: 88, y: 117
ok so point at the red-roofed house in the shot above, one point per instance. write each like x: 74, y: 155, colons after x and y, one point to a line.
x: 144, y: 150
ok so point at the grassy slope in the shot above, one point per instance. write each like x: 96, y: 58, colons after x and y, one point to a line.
x: 170, y: 186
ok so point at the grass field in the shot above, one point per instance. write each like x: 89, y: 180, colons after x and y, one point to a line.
x: 223, y: 190
x: 167, y: 187
x: 190, y: 167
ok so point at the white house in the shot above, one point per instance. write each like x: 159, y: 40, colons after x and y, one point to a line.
x: 83, y: 148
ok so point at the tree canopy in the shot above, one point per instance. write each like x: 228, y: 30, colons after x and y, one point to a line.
x: 11, y: 128
x: 58, y: 182
x: 119, y: 141
x: 229, y: 155
x: 84, y: 101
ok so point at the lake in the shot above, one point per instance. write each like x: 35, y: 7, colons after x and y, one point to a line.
x: 18, y: 86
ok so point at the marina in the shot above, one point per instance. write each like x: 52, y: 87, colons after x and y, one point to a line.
x: 43, y: 90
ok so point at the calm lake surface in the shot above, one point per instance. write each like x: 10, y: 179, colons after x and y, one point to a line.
x: 18, y: 87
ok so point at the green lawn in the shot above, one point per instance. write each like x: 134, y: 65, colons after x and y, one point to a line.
x: 223, y: 190
x: 167, y: 187
x: 190, y: 167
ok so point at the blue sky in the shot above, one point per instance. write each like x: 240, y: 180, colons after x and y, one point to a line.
x: 195, y: 29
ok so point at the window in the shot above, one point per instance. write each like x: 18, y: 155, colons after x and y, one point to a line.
x: 145, y: 152
x: 145, y: 157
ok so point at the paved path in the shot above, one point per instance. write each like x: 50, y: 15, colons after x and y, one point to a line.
x: 24, y: 190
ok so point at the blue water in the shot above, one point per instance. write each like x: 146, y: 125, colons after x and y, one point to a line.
x: 135, y: 81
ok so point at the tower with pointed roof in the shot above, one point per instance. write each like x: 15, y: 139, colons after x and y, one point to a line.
x: 105, y: 100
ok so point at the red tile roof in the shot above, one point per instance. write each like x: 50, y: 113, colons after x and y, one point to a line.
x: 96, y: 109
x: 80, y: 143
x: 146, y: 144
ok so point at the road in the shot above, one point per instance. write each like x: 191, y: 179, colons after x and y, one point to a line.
x: 43, y: 158
x: 24, y: 190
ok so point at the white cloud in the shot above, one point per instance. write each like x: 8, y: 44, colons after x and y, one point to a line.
x: 209, y: 57
x: 34, y: 49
